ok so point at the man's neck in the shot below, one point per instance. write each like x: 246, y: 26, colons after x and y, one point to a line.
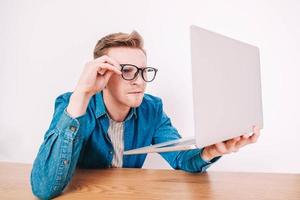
x: 116, y: 111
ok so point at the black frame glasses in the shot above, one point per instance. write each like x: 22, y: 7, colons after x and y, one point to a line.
x: 138, y: 69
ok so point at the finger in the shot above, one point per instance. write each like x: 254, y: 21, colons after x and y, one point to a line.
x: 95, y: 66
x: 256, y: 134
x: 233, y: 140
x: 245, y: 136
x: 109, y: 60
x: 220, y: 148
x: 107, y: 76
x: 254, y: 137
x: 242, y: 143
x: 103, y: 67
x: 245, y: 139
x: 231, y: 144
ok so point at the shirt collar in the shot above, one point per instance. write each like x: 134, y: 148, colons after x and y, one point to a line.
x: 101, y: 109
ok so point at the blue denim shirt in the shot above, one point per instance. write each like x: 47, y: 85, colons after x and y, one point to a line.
x: 83, y: 142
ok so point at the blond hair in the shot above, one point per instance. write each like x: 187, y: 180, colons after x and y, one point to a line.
x: 132, y: 40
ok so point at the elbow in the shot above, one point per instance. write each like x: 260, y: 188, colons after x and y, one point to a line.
x: 42, y: 189
x: 44, y: 194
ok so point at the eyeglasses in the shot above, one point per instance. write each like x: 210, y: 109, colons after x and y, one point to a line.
x: 130, y: 72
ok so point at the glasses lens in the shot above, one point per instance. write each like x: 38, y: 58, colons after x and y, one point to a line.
x: 149, y: 74
x: 129, y: 72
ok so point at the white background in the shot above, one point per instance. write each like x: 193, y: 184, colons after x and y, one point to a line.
x: 44, y: 45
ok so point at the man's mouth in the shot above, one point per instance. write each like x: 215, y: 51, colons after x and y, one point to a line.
x: 136, y: 92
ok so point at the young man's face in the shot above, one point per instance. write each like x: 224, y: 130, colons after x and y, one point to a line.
x: 124, y: 92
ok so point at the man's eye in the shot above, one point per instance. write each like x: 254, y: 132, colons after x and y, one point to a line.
x: 150, y: 70
x: 127, y: 70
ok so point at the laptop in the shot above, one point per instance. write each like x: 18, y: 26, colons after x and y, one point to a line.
x: 227, y: 99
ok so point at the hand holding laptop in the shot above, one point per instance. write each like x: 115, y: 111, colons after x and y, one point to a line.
x: 229, y: 146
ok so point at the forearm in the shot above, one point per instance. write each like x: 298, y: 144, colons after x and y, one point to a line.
x: 57, y: 158
x: 78, y: 103
x: 192, y: 161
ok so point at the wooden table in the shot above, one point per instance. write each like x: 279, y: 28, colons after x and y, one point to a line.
x: 156, y: 184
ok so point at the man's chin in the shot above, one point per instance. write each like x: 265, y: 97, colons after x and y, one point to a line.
x: 135, y: 102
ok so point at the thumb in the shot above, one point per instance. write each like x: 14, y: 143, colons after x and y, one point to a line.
x: 107, y: 76
x: 102, y: 80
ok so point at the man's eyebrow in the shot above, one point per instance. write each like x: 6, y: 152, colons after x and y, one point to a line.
x: 139, y: 66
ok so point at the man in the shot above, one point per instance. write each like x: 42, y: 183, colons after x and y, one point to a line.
x: 108, y: 113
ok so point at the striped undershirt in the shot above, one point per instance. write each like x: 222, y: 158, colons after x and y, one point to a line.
x: 115, y: 133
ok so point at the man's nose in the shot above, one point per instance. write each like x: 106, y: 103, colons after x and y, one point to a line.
x: 139, y: 79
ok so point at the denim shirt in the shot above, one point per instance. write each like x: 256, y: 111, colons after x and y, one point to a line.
x: 83, y: 142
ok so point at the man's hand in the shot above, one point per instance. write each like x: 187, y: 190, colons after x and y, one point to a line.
x: 96, y: 74
x: 93, y: 79
x: 228, y: 146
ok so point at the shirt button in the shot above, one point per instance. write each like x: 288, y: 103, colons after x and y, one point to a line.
x: 73, y: 128
x: 111, y: 152
x: 66, y: 162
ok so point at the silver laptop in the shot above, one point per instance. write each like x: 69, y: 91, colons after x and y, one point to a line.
x: 227, y: 99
